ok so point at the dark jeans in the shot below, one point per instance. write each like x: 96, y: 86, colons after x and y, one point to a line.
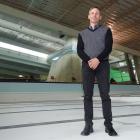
x: 102, y: 74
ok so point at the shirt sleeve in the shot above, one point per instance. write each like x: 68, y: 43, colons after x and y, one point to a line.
x: 80, y: 49
x: 108, y: 46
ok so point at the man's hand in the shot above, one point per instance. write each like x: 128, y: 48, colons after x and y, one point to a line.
x: 93, y: 63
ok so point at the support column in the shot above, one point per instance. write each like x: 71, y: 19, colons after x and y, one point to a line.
x: 137, y: 67
x: 130, y: 69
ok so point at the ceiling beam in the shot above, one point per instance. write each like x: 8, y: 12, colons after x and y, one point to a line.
x: 37, y: 20
x: 126, y: 49
x: 22, y: 68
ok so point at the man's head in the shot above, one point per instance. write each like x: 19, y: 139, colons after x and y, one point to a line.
x: 94, y: 15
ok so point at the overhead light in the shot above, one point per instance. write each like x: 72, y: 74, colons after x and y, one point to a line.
x: 20, y: 76
x: 121, y: 64
x: 22, y: 50
x: 55, y: 58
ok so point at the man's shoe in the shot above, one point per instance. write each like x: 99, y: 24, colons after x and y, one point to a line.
x: 87, y: 130
x: 111, y: 131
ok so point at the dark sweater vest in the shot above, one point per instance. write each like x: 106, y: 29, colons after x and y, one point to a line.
x: 94, y: 40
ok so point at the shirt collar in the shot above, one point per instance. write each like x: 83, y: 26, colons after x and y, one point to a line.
x: 96, y: 27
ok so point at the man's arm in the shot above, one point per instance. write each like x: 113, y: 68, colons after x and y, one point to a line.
x: 108, y: 46
x: 80, y: 50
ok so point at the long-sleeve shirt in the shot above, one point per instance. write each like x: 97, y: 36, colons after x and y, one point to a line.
x: 95, y: 43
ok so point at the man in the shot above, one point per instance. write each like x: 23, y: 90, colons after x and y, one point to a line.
x: 93, y: 47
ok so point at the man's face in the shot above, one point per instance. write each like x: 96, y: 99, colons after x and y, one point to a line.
x: 94, y: 16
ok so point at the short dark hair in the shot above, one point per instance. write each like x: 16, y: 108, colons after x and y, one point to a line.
x: 94, y: 7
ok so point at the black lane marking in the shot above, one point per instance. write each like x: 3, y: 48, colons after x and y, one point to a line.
x: 59, y: 122
x: 63, y: 109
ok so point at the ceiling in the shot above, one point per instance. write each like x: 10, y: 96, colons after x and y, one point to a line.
x: 122, y: 16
